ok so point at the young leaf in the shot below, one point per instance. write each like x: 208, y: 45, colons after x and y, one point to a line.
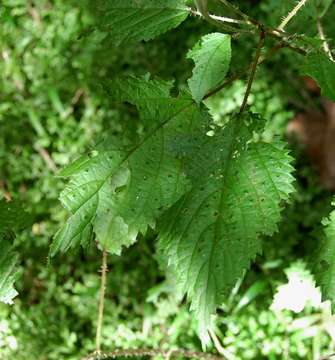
x: 212, y: 58
x: 322, y: 70
x: 324, y: 261
x: 212, y: 234
x: 135, y: 20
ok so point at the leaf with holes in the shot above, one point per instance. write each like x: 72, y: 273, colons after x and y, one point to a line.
x: 119, y: 193
x: 213, y: 233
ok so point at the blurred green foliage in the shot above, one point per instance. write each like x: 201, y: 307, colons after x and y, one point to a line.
x: 52, y: 110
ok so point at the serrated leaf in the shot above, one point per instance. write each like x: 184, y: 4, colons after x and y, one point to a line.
x: 322, y: 70
x: 89, y: 194
x: 324, y: 260
x: 120, y: 193
x: 135, y: 20
x: 213, y: 233
x: 212, y: 57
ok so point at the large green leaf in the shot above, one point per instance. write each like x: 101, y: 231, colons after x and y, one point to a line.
x: 119, y: 193
x: 135, y: 20
x: 322, y: 70
x: 324, y: 261
x: 211, y: 235
x: 212, y: 58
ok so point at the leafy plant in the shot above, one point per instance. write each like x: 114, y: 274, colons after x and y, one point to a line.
x: 206, y: 194
x: 210, y: 191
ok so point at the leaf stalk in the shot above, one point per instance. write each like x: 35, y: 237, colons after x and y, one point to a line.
x: 104, y: 270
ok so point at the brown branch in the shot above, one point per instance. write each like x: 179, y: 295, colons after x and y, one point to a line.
x: 153, y: 352
x: 275, y: 33
x: 242, y: 73
x: 253, y: 71
x: 47, y: 159
x: 203, y: 11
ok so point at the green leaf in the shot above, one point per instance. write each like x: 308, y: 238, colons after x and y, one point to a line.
x: 119, y: 193
x: 88, y: 197
x: 212, y: 57
x: 151, y: 97
x: 324, y: 261
x: 8, y: 271
x: 135, y: 20
x: 12, y: 218
x: 213, y: 233
x: 322, y: 70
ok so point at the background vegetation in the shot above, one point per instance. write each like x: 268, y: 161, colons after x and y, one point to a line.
x: 52, y: 109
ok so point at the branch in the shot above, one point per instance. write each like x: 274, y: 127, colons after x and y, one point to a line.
x: 47, y: 158
x: 101, y: 301
x: 203, y: 11
x: 226, y: 354
x: 220, y: 22
x: 153, y: 352
x: 323, y: 38
x: 220, y: 18
x: 291, y: 15
x: 253, y: 71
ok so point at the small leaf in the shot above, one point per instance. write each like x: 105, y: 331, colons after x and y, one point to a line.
x: 135, y: 20
x: 12, y: 218
x: 318, y: 66
x: 8, y: 271
x: 212, y: 57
